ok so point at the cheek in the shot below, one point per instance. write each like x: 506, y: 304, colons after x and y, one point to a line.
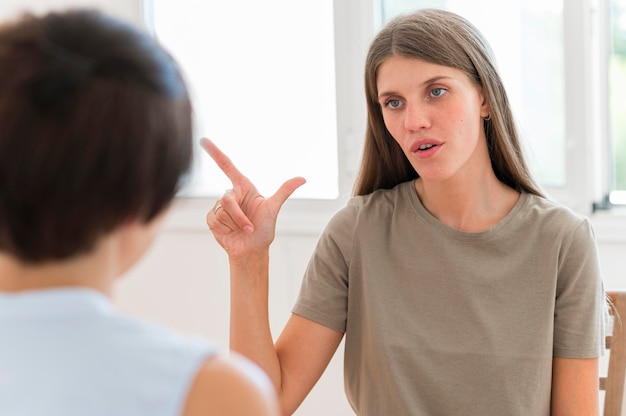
x: 456, y: 113
x: 459, y: 118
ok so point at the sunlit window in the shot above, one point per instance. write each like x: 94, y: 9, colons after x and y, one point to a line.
x: 262, y: 74
x: 617, y: 95
x: 263, y: 78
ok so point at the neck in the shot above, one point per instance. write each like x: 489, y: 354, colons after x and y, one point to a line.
x: 95, y: 270
x: 467, y: 205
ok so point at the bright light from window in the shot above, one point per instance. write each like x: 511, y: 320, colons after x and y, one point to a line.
x: 617, y: 93
x: 618, y: 198
x: 262, y: 75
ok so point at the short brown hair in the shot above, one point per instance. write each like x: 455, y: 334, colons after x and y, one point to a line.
x: 95, y: 130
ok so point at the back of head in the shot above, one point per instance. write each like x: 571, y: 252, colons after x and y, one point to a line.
x: 95, y: 131
x: 443, y: 38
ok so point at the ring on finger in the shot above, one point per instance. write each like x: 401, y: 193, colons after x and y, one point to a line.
x: 217, y: 208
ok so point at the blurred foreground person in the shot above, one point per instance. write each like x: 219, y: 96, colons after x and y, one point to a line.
x: 95, y: 136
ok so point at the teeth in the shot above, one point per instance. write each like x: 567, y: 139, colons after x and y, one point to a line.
x: 426, y: 146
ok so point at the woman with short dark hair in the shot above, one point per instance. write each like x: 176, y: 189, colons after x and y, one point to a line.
x: 95, y: 139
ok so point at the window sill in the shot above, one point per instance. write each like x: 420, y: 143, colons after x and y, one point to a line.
x: 309, y: 217
x: 297, y: 217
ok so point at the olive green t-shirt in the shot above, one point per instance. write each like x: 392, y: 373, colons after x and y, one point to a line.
x: 444, y: 322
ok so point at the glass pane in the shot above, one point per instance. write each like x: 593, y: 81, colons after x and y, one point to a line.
x: 617, y: 91
x: 262, y: 75
x: 527, y: 39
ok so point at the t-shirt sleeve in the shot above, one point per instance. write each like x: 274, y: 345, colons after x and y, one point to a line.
x: 323, y: 295
x: 581, y: 307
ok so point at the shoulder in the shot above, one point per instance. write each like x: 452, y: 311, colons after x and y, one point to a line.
x: 381, y: 200
x: 231, y: 386
x: 548, y: 207
x: 130, y: 334
x: 558, y: 224
x: 552, y: 214
x: 367, y: 213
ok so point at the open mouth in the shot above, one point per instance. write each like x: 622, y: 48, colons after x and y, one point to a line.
x: 426, y: 146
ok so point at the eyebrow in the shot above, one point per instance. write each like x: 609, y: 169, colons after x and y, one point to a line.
x: 432, y: 80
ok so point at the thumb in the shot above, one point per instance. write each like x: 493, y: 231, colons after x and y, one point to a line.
x: 285, y: 191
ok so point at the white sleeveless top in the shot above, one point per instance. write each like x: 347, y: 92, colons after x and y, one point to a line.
x: 67, y: 352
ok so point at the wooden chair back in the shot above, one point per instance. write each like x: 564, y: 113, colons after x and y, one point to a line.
x: 613, y: 383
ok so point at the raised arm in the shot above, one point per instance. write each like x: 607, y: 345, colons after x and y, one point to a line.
x: 243, y: 223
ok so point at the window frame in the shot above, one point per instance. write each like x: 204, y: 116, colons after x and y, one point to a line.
x: 311, y: 215
x: 584, y: 128
x: 590, y: 183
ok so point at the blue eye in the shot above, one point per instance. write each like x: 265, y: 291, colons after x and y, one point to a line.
x: 393, y: 103
x: 438, y: 92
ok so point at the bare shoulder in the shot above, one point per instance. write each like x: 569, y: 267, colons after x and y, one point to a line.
x: 231, y: 386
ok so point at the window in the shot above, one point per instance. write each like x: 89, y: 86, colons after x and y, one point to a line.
x: 552, y: 55
x: 351, y: 28
x: 617, y: 90
x: 262, y: 77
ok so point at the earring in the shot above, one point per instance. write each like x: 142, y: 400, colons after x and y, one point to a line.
x: 488, y: 117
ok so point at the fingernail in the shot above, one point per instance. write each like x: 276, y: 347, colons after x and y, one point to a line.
x: 248, y: 229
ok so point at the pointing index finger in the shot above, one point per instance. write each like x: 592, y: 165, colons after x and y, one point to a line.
x: 223, y: 161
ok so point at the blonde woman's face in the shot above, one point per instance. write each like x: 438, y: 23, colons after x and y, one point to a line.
x: 435, y: 114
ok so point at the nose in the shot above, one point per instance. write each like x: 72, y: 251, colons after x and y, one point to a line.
x: 416, y: 117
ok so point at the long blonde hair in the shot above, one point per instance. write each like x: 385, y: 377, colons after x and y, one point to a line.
x: 442, y: 38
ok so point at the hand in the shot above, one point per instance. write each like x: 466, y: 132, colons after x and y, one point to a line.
x: 243, y: 221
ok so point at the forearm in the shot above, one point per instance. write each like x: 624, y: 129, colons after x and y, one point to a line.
x: 250, y: 333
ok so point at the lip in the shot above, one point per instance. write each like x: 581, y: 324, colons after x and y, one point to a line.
x: 415, y: 148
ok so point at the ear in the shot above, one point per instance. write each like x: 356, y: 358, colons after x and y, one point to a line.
x: 485, y: 110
